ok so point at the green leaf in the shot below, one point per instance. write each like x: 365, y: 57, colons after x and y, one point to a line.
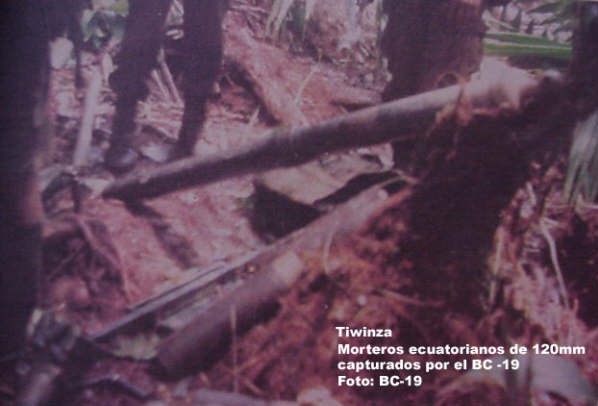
x: 555, y: 52
x: 582, y: 171
x: 524, y: 39
x: 550, y: 17
x: 121, y: 7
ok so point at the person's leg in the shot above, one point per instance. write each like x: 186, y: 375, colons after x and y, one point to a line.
x: 203, y: 48
x: 136, y: 59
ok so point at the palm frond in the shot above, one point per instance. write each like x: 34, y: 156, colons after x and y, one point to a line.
x: 582, y: 172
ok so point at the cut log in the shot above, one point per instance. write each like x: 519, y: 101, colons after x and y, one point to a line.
x: 283, y: 92
x: 263, y: 78
x: 293, y: 146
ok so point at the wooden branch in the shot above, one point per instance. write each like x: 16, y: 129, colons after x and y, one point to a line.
x: 161, y: 87
x: 293, y: 146
x: 89, y: 112
x: 165, y: 71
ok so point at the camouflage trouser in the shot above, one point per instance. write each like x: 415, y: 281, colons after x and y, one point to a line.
x: 429, y: 44
x: 202, y: 27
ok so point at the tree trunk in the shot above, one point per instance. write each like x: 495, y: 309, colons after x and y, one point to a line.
x: 584, y: 65
x: 430, y: 44
x: 22, y: 52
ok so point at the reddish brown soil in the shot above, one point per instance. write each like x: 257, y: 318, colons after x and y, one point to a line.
x: 384, y: 276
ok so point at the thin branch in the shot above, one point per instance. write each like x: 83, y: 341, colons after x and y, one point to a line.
x: 304, y: 84
x: 89, y: 113
x: 165, y: 71
x: 555, y: 263
x: 160, y: 83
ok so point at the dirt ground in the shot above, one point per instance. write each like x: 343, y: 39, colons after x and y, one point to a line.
x: 433, y: 273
